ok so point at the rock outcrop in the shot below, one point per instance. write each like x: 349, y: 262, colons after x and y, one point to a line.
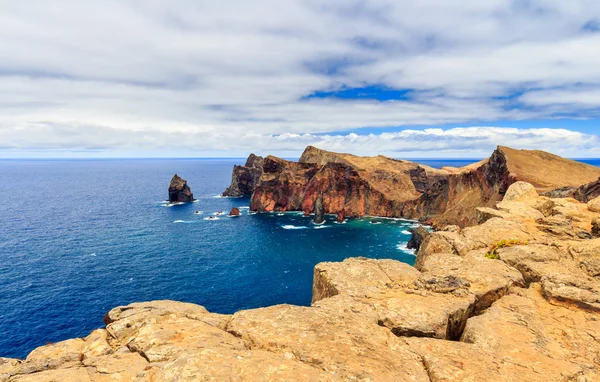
x: 234, y: 212
x: 179, y: 191
x: 245, y: 178
x: 584, y: 193
x: 381, y: 186
x: 505, y: 300
x: 418, y: 236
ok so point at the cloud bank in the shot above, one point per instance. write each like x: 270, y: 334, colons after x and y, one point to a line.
x: 197, y: 78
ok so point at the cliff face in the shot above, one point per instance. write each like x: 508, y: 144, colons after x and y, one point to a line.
x: 358, y: 185
x: 387, y: 187
x: 515, y: 298
x: 245, y: 178
x: 179, y: 191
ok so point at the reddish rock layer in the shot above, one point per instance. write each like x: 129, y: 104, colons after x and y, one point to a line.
x: 381, y: 186
x: 245, y: 178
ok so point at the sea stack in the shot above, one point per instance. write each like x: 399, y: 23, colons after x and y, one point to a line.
x: 341, y: 216
x: 319, y: 210
x: 234, y: 212
x: 179, y: 191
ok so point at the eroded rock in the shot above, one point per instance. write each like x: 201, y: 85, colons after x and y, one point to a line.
x: 179, y: 191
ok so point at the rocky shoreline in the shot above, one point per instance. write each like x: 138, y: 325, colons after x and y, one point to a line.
x: 509, y: 292
x: 514, y: 298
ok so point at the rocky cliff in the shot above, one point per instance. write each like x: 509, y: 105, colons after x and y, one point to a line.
x: 360, y: 186
x: 245, y: 178
x: 382, y: 186
x: 179, y: 191
x: 515, y: 298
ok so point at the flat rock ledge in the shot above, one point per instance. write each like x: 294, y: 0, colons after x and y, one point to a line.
x: 515, y: 298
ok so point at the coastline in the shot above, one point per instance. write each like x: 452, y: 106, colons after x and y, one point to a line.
x: 450, y: 317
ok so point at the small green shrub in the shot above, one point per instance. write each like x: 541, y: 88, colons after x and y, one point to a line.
x: 493, y: 253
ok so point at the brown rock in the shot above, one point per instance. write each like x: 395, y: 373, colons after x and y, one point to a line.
x: 341, y: 216
x: 237, y: 365
x: 179, y: 191
x: 319, y: 211
x: 531, y: 340
x: 519, y: 192
x: 418, y: 236
x: 314, y: 336
x: 234, y: 212
x: 594, y: 205
x: 596, y: 227
x: 245, y: 178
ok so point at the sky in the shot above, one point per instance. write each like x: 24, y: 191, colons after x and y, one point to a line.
x: 194, y: 78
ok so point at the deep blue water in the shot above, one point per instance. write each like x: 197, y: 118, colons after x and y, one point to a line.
x: 79, y: 237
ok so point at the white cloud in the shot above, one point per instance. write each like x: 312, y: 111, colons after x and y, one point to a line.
x: 205, y: 77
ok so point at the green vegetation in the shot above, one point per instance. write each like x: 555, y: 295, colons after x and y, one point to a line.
x: 493, y: 253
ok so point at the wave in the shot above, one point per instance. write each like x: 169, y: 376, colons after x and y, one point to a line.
x: 321, y: 226
x: 220, y: 213
x: 407, y: 232
x: 289, y: 226
x: 403, y: 246
x: 211, y: 218
x: 244, y: 208
x: 225, y: 197
x: 179, y: 221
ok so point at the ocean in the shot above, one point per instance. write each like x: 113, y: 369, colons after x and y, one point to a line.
x: 80, y: 237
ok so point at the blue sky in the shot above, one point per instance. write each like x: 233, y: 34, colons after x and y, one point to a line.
x: 433, y: 78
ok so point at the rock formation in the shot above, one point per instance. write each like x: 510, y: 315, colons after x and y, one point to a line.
x: 583, y: 193
x: 418, y: 235
x: 341, y: 216
x: 516, y: 298
x: 245, y: 178
x: 319, y: 214
x: 179, y: 191
x: 234, y: 212
x: 381, y: 186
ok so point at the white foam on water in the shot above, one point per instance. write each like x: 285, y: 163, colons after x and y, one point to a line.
x: 281, y: 214
x: 179, y: 221
x: 198, y: 212
x: 244, y: 208
x: 372, y: 222
x: 289, y: 226
x: 321, y: 226
x: 403, y: 246
x: 211, y: 218
x: 93, y: 254
x: 220, y: 213
x: 407, y: 232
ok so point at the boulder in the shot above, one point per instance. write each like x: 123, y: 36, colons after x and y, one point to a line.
x: 519, y: 192
x: 179, y: 191
x: 596, y: 227
x: 594, y: 205
x: 341, y: 216
x: 234, y: 212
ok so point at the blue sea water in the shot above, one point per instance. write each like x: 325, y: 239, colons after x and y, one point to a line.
x: 79, y: 237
